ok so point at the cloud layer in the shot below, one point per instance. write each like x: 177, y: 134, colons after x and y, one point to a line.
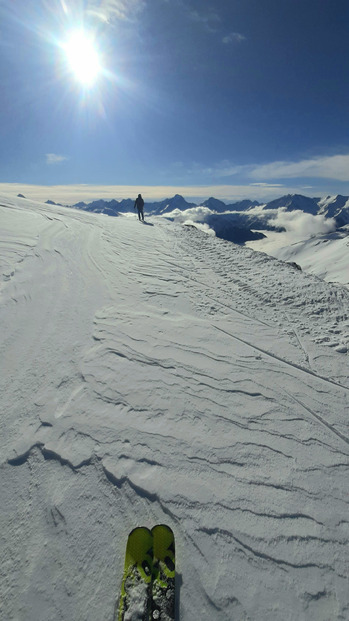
x: 331, y: 167
x: 297, y: 225
x: 70, y: 194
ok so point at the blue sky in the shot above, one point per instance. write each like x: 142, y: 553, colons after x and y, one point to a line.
x: 236, y: 99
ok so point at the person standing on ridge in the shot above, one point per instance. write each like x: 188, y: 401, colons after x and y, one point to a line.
x: 139, y: 203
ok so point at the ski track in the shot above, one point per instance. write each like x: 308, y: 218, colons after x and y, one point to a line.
x: 155, y: 374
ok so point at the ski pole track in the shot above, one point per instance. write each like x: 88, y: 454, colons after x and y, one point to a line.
x: 294, y: 365
x: 322, y: 420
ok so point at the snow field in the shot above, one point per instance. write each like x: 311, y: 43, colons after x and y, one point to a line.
x: 152, y: 374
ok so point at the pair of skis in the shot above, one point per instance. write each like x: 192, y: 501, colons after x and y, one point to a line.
x: 148, y: 584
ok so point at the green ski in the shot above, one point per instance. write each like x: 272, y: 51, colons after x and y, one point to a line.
x: 164, y: 571
x: 136, y: 588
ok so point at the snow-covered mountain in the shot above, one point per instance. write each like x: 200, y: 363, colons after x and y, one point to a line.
x: 219, y: 206
x: 293, y: 202
x: 330, y: 206
x: 153, y: 374
x: 325, y: 255
x: 169, y: 204
x: 215, y: 205
x: 114, y: 207
x: 111, y: 208
x: 243, y: 205
x: 336, y: 207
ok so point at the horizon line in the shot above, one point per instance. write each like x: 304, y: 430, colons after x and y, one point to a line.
x: 70, y: 194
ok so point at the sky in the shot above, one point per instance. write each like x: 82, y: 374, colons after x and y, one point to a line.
x: 238, y: 99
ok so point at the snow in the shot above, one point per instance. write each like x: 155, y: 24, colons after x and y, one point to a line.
x: 333, y: 206
x: 152, y: 373
x: 325, y: 255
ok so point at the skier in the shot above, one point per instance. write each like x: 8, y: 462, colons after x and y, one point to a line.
x: 139, y: 203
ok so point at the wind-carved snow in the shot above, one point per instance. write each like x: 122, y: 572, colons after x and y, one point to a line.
x: 154, y: 374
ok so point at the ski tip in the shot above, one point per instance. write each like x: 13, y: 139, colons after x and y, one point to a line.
x: 139, y: 530
x: 161, y: 528
x: 143, y: 531
x: 139, y: 545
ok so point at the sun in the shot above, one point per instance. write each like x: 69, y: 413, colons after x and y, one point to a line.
x: 82, y: 57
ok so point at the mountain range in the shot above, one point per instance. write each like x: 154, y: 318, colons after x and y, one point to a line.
x: 113, y: 207
x: 336, y: 207
x: 238, y: 222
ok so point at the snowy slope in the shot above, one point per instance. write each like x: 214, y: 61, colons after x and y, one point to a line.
x: 151, y: 373
x: 326, y: 255
x: 335, y: 207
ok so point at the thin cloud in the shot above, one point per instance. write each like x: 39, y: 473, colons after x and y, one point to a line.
x: 210, y: 20
x: 227, y: 170
x: 332, y: 167
x: 114, y: 10
x: 207, y: 18
x: 263, y: 184
x: 234, y: 37
x: 53, y: 158
x: 218, y: 170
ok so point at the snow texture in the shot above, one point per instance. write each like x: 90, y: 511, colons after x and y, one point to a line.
x: 155, y: 374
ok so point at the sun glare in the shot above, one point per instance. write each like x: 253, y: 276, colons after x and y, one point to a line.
x: 83, y: 58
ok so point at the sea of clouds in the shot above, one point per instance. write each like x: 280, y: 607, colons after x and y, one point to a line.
x: 287, y: 226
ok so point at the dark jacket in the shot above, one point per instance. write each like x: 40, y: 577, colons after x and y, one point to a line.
x: 139, y: 203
